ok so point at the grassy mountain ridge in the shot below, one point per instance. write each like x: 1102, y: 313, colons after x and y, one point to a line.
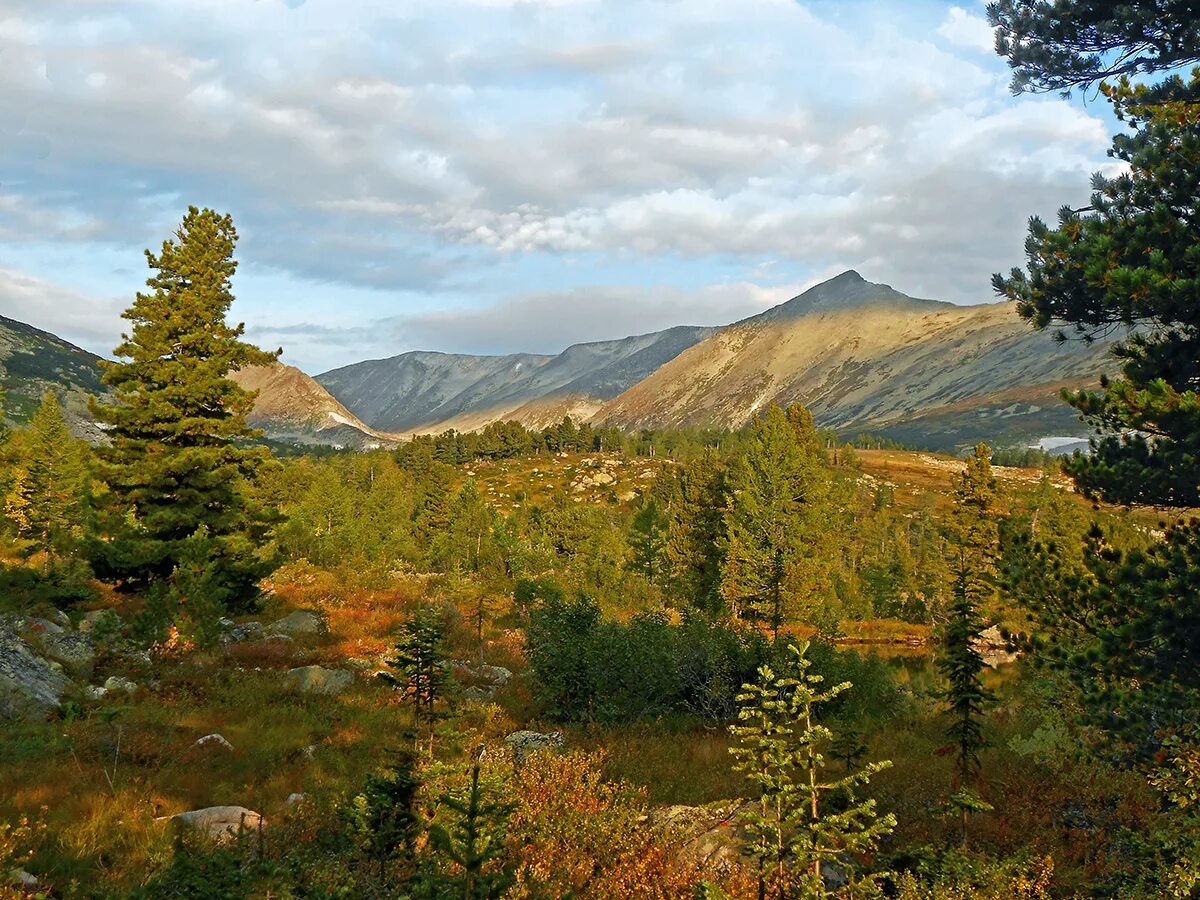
x: 426, y: 391
x: 33, y: 361
x: 865, y: 357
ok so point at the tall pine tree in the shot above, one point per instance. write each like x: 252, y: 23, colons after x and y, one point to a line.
x: 177, y: 462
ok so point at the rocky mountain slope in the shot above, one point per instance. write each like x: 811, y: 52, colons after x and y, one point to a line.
x: 863, y: 356
x: 33, y: 361
x: 424, y: 391
x: 291, y: 407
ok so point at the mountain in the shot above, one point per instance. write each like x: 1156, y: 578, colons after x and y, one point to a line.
x: 33, y: 361
x: 865, y: 357
x: 425, y: 391
x: 292, y: 408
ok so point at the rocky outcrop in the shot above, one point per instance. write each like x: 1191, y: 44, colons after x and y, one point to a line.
x: 220, y: 823
x: 74, y: 650
x: 303, y: 623
x: 318, y: 680
x: 30, y: 686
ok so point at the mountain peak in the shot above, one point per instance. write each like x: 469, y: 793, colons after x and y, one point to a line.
x: 849, y: 290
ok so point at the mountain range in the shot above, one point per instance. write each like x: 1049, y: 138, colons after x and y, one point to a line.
x: 862, y: 356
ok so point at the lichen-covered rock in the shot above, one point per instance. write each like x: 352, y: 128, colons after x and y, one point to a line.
x: 30, y: 687
x: 523, y: 743
x: 301, y: 623
x: 220, y: 823
x: 75, y: 650
x: 116, y: 683
x: 318, y: 680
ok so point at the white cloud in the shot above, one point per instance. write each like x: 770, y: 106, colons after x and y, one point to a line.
x: 968, y: 30
x: 73, y: 315
x: 436, y: 147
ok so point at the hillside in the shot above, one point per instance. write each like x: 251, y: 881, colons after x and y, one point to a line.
x: 291, y: 407
x: 864, y: 357
x: 33, y: 361
x: 425, y: 391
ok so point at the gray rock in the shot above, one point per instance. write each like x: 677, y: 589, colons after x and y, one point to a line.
x: 23, y: 880
x: 96, y: 692
x: 30, y: 687
x: 75, y: 650
x: 237, y: 634
x: 478, y: 693
x: 293, y: 799
x: 116, y: 683
x: 318, y: 680
x: 220, y: 823
x: 61, y: 618
x: 38, y: 627
x: 301, y: 623
x: 214, y: 741
x: 522, y: 743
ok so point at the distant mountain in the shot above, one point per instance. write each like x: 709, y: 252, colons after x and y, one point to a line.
x: 33, y: 361
x: 865, y: 357
x: 425, y: 391
x: 292, y: 408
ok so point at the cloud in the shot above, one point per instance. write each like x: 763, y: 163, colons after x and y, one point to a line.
x: 460, y: 152
x: 967, y: 30
x: 73, y: 315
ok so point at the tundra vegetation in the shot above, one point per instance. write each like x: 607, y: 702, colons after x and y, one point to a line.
x: 578, y: 662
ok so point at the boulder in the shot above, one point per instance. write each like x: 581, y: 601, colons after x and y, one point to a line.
x: 318, y: 680
x: 75, y: 650
x: 301, y: 623
x: 30, y: 687
x: 219, y: 823
x: 708, y: 836
x: 116, y: 683
x: 602, y: 478
x: 293, y: 799
x: 497, y: 675
x: 522, y: 743
x: 23, y: 880
x: 994, y: 648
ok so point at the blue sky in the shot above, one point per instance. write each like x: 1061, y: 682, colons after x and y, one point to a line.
x: 495, y: 176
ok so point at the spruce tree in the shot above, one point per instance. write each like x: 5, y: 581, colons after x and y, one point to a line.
x: 177, y: 461
x: 696, y: 532
x: 771, y: 515
x: 419, y: 661
x: 647, y: 539
x: 973, y: 548
x: 474, y: 842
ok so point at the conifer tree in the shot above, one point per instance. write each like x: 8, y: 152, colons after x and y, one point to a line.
x: 474, y: 842
x: 419, y: 662
x: 647, y: 539
x: 974, y: 546
x: 177, y: 460
x: 696, y: 532
x: 1125, y: 628
x: 46, y: 499
x: 782, y: 753
x: 771, y: 515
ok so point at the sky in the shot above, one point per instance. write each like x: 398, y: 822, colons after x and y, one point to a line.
x: 496, y: 176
